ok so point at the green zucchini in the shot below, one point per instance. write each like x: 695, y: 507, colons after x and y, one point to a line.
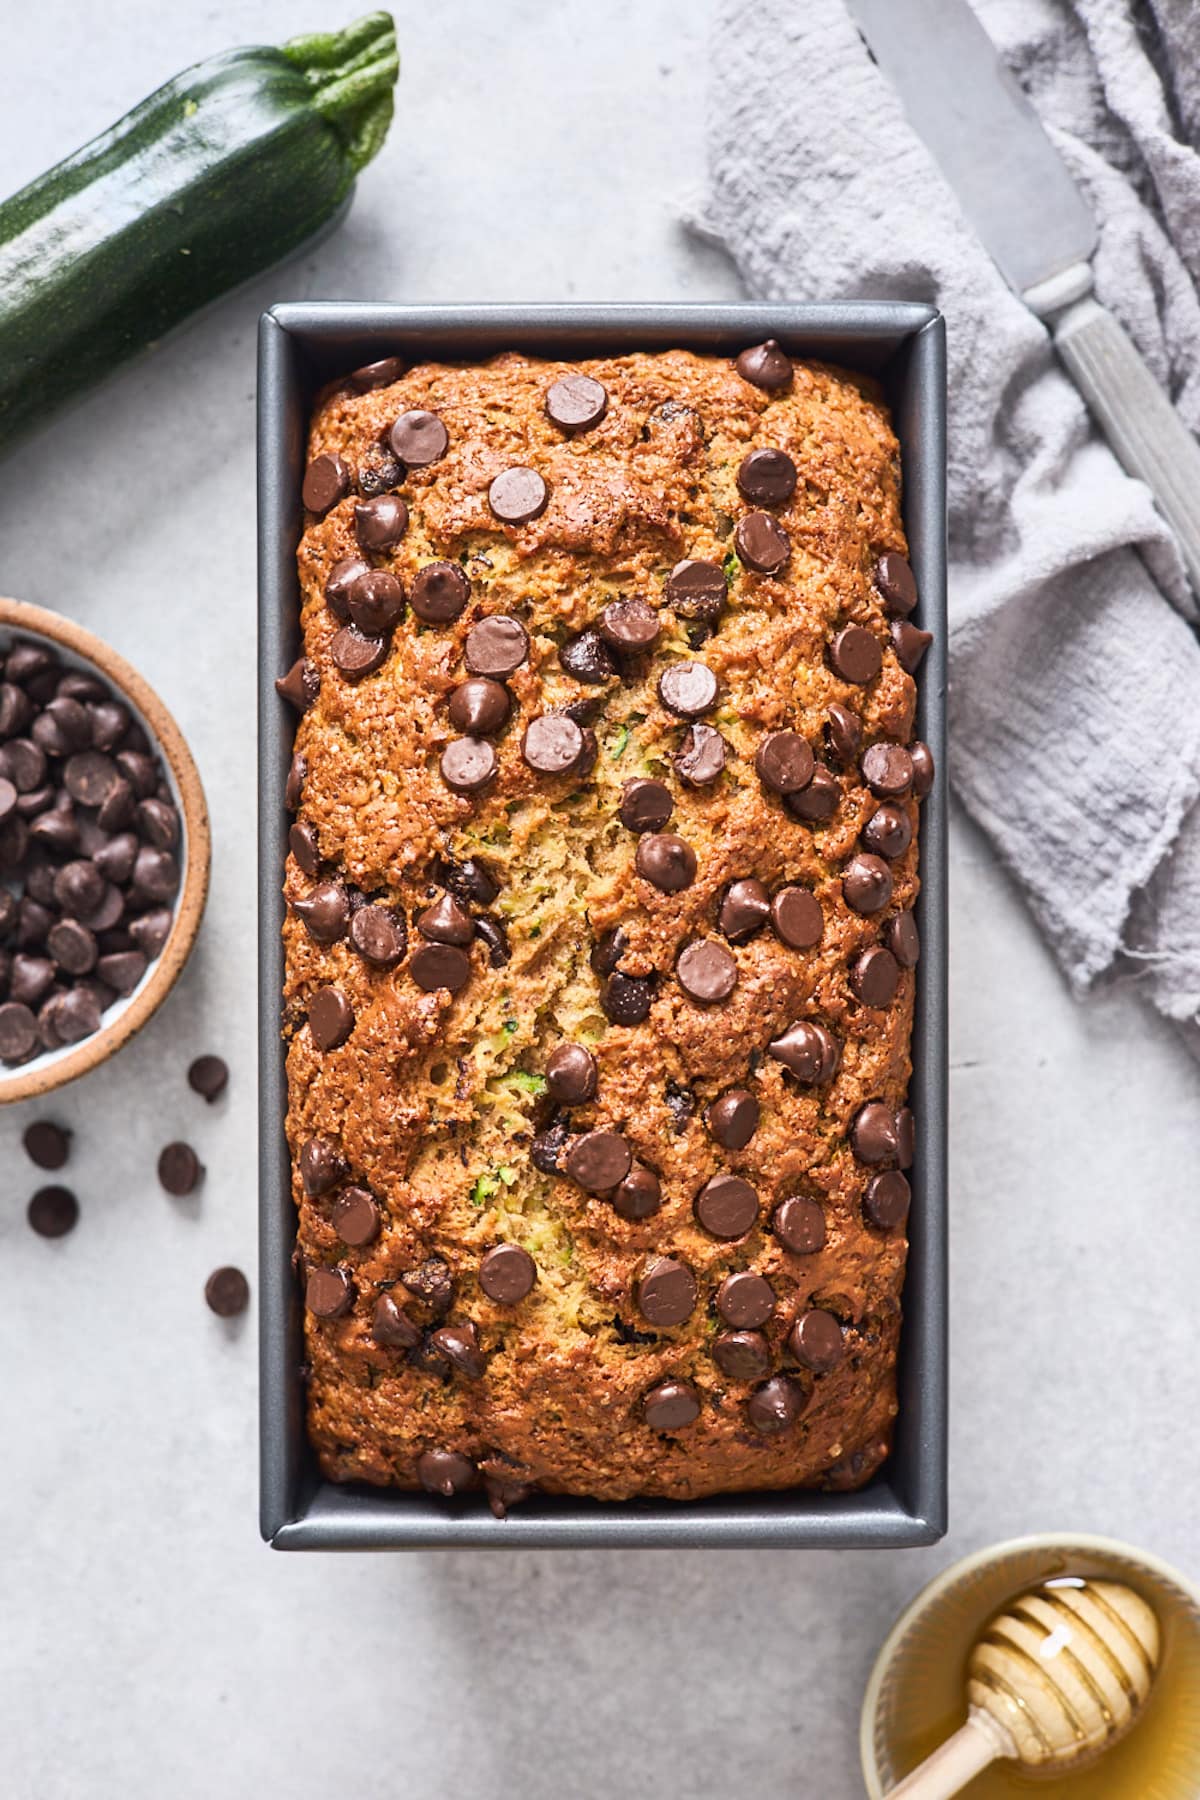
x: 212, y: 179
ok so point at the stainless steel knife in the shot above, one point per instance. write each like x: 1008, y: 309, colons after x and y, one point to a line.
x: 1015, y: 189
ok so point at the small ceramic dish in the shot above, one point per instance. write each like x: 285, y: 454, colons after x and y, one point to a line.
x: 915, y: 1697
x: 80, y: 649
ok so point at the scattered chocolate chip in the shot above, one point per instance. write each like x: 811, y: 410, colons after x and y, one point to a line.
x: 744, y: 909
x: 472, y: 881
x: 355, y: 1217
x: 767, y: 477
x: 629, y: 625
x: 639, y: 1196
x: 29, y: 978
x: 670, y: 1406
x: 688, y: 689
x: 922, y: 767
x: 666, y: 1293
x: 18, y: 1032
x: 377, y: 374
x: 665, y: 861
x: 797, y: 917
x: 625, y: 999
x: 894, y: 579
x: 681, y: 1104
x: 910, y: 644
x: 53, y: 1212
x: 321, y: 1166
x: 875, y: 976
x: 888, y: 832
x: 493, y: 933
x: 809, y: 1052
x: 299, y: 687
x: 468, y: 764
x: 552, y: 744
x: 507, y: 1273
x: 742, y: 1355
x: 439, y: 593
x: 141, y: 772
x: 517, y: 496
x: 380, y: 523
x: 327, y: 480
x: 886, y: 1200
x: 121, y: 970
x: 799, y: 1224
x: 158, y: 822
x: 329, y: 1293
x: 208, y: 1076
x: 24, y: 764
x: 876, y: 1133
x: 545, y: 1152
x: 342, y: 578
x: 46, y: 1144
x: 446, y: 922
x: 459, y: 1344
x: 324, y: 912
x: 16, y: 709
x: 445, y: 1472
x: 571, y: 1075
x: 701, y: 756
x: 817, y: 1341
x: 762, y: 543
x: 110, y: 722
x: 496, y: 646
x: 745, y: 1299
x: 818, y: 802
x: 479, y: 706
x: 432, y: 1283
x: 355, y: 654
x: 179, y: 1169
x: 856, y: 656
x: 598, y: 1161
x: 903, y: 939
x: 330, y: 1018
x: 375, y: 603
x: 436, y: 966
x: 302, y: 842
x: 73, y: 947
x: 418, y: 439
x: 379, y: 935
x: 64, y: 726
x: 784, y: 762
x: 575, y: 403
x: 696, y: 589
x: 392, y: 1327
x: 707, y: 971
x: 588, y: 658
x: 867, y: 884
x: 726, y: 1206
x: 646, y: 805
x: 843, y: 732
x: 293, y: 791
x: 227, y: 1292
x: 733, y: 1118
x: 774, y: 1406
x: 765, y: 366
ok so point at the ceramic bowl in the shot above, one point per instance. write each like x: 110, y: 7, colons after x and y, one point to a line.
x: 914, y: 1699
x: 80, y: 649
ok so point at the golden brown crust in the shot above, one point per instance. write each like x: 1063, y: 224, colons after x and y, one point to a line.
x: 430, y: 1100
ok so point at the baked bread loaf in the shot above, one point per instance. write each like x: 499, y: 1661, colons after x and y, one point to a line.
x: 599, y: 931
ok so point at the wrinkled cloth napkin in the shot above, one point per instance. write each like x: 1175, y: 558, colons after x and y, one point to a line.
x: 1075, y: 678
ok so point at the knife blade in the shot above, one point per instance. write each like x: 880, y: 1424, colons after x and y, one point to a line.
x: 1026, y: 210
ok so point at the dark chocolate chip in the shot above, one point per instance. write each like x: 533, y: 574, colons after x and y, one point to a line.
x: 670, y: 1406
x: 608, y: 951
x: 665, y: 861
x: 208, y: 1076
x: 765, y: 366
x: 888, y: 832
x: 744, y: 909
x: 375, y: 603
x: 79, y: 888
x: 324, y: 912
x: 445, y: 1472
x: 629, y: 625
x: 355, y: 1217
x: 302, y: 842
x: 468, y: 764
x: 701, y: 756
x: 436, y: 966
x: 507, y: 1273
x: 855, y: 655
x: 16, y: 709
x: 22, y: 763
x: 799, y: 1224
x: 110, y: 721
x: 47, y: 1144
x: 227, y: 1292
x: 817, y: 1341
x: 598, y: 1161
x: 479, y: 706
x: 742, y: 1355
x: 327, y: 480
x: 379, y: 935
x: 493, y: 933
x: 65, y: 726
x: 910, y: 644
x: 179, y: 1169
x: 762, y: 543
x: 329, y: 1293
x: 887, y: 770
x: 341, y: 579
x: 73, y: 947
x: 886, y: 1200
x: 571, y: 1075
x: 377, y: 374
x: 774, y: 1406
x: 459, y: 1344
x: 552, y: 744
x: 118, y: 809
x: 894, y: 579
x: 797, y: 917
x: 432, y: 1283
x: 688, y: 689
x: 545, y: 1152
x: 843, y: 732
x: 922, y: 767
x: 392, y: 1327
x: 8, y: 797
x: 809, y: 1052
x: 418, y: 439
x: 56, y: 829
x: 625, y: 999
x: 817, y: 803
x: 875, y: 1133
x: 439, y: 593
x: 646, y: 805
x: 141, y: 772
x: 727, y: 1207
x: 321, y: 1167
x: 158, y: 822
x: 496, y: 646
x: 767, y: 477
x: 121, y: 970
x: 707, y: 971
x: 150, y: 930
x: 588, y: 658
x: 53, y: 1212
x: 355, y: 654
x: 903, y: 939
x: 784, y: 762
x: 29, y: 978
x: 299, y: 687
x: 745, y: 1300
x: 639, y: 1196
x: 446, y: 922
x: 380, y: 523
x: 696, y: 589
x: 875, y: 976
x: 517, y: 496
x: 867, y: 884
x: 666, y: 1293
x: 576, y: 402
x: 733, y: 1118
x: 330, y: 1018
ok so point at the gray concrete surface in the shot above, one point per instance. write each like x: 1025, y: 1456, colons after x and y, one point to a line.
x: 149, y: 1643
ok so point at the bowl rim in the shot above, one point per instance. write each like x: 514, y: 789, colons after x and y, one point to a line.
x: 43, y: 1078
x: 965, y: 1566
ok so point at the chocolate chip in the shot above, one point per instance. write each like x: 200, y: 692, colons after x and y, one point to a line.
x: 903, y: 939
x: 445, y: 1472
x: 598, y: 1161
x: 817, y: 803
x: 797, y: 917
x: 302, y: 842
x: 379, y: 935
x: 419, y: 438
x: 118, y: 809
x: 744, y: 909
x: 910, y: 644
x: 376, y: 374
x: 817, y: 1341
x: 742, y: 1355
x: 300, y: 686
x: 468, y: 764
x: 321, y: 1167
x: 745, y: 1299
x: 496, y: 646
x: 629, y: 625
x: 733, y: 1118
x: 855, y: 655
x: 324, y: 912
x: 507, y: 1273
x: 472, y: 881
x: 765, y: 366
x: 392, y: 1327
x: 56, y: 829
x: 726, y: 1206
x: 665, y: 861
x: 784, y: 762
x: 701, y: 756
x: 887, y: 770
x: 380, y: 523
x: 843, y: 732
x: 767, y: 477
x: 588, y: 658
x: 707, y: 972
x: 608, y: 951
x: 374, y: 603
x: 141, y: 771
x: 888, y: 832
x: 79, y: 888
x: 440, y: 593
x: 24, y: 764
x: 293, y: 791
x: 355, y: 654
x: 28, y: 980
x: 330, y: 1018
x: 666, y: 1293
x: 762, y: 543
x: 459, y: 1344
x: 25, y: 661
x: 436, y: 966
x: 480, y: 706
x: 696, y: 589
x: 625, y: 999
x: 867, y: 884
x: 774, y: 1406
x: 16, y: 709
x: 670, y: 1406
x: 227, y: 1292
x: 492, y: 932
x: 446, y: 922
x: 341, y: 579
x: 646, y: 805
x: 921, y: 757
x: 8, y: 798
x: 121, y: 970
x: 571, y: 1075
x: 886, y: 1200
x: 432, y: 1283
x: 327, y: 480
x: 158, y: 823
x: 63, y: 727
x: 75, y: 1014
x: 809, y: 1052
x: 546, y: 1150
x: 329, y: 1293
x: 179, y: 1168
x: 894, y: 579
x: 53, y: 1212
x: 110, y: 721
x: 355, y: 1217
x: 639, y: 1196
x: 552, y: 744
x: 875, y: 976
x: 46, y: 1144
x: 208, y: 1076
x: 517, y: 496
x: 73, y: 947
x: 688, y: 689
x: 576, y: 402
x: 799, y: 1224
x: 875, y: 1133
x: 14, y: 842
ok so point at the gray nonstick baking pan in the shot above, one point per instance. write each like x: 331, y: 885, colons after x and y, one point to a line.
x: 302, y: 346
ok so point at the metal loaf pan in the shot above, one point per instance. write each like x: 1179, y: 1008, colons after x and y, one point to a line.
x: 300, y: 347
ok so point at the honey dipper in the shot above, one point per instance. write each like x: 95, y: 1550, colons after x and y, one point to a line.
x: 1055, y: 1679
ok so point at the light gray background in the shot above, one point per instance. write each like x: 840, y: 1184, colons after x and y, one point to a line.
x: 150, y: 1644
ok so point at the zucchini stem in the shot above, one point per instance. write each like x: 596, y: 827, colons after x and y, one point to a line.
x: 352, y: 74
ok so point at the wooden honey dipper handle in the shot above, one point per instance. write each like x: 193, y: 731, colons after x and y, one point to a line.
x: 979, y: 1742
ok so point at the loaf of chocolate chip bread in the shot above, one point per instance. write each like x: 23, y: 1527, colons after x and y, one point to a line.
x: 599, y: 931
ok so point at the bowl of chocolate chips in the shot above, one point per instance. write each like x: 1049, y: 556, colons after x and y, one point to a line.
x: 104, y: 851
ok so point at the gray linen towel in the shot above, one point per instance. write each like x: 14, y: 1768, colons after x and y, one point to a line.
x: 1075, y: 681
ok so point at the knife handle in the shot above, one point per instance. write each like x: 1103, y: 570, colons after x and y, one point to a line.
x: 1150, y: 439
